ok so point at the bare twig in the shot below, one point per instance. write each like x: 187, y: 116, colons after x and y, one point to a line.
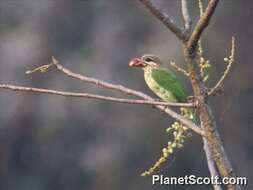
x: 230, y: 62
x: 120, y: 100
x: 164, y: 18
x: 201, y: 25
x: 97, y: 82
x: 186, y: 15
x: 179, y: 69
x: 93, y: 96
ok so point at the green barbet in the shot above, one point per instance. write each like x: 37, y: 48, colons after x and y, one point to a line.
x: 162, y: 81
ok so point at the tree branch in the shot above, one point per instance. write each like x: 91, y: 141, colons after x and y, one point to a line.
x: 119, y: 100
x: 230, y: 61
x: 211, y: 163
x: 89, y: 95
x: 207, y: 149
x: 186, y: 15
x: 208, y: 123
x: 201, y: 25
x: 99, y: 83
x: 179, y: 69
x: 164, y: 18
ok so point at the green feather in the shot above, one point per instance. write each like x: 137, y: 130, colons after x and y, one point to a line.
x: 166, y: 85
x: 167, y: 80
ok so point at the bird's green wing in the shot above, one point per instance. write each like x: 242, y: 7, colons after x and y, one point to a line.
x: 167, y: 80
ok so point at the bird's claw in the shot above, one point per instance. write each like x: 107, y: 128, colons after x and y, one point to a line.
x: 191, y: 99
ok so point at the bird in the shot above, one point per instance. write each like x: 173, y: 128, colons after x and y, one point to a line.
x: 162, y: 81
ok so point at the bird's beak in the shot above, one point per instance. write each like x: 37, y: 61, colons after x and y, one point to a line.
x: 137, y: 62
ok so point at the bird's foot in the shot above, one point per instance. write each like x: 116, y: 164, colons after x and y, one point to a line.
x: 191, y: 99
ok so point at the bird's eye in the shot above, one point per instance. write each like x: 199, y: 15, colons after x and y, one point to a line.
x: 148, y: 59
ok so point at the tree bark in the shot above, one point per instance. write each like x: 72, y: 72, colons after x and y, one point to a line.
x: 207, y: 119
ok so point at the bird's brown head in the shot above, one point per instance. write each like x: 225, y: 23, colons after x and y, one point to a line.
x: 145, y: 60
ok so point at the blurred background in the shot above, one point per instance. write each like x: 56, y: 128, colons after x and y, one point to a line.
x: 49, y: 142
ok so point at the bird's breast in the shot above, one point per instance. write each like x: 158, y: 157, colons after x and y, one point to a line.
x: 156, y: 88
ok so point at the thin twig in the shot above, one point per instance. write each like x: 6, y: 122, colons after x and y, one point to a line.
x: 164, y: 18
x: 179, y: 69
x: 201, y: 25
x: 186, y: 15
x: 93, y: 96
x: 120, y: 100
x: 230, y: 61
x: 98, y: 82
